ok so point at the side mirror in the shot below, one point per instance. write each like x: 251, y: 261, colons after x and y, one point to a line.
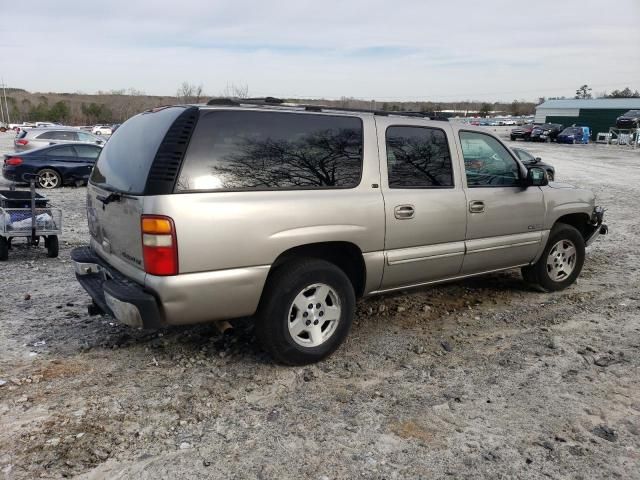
x: 536, y: 177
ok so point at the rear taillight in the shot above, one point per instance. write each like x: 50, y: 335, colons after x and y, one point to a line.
x: 159, y: 245
x: 22, y: 141
x: 13, y: 161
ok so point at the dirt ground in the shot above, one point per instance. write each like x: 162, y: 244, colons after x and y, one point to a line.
x: 479, y: 379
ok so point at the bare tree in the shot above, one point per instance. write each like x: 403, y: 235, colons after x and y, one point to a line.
x: 233, y: 90
x: 189, y: 93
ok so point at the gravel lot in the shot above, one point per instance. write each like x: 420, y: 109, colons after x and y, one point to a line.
x: 479, y: 379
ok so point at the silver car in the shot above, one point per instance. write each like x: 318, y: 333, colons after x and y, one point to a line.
x: 42, y: 137
x: 288, y: 214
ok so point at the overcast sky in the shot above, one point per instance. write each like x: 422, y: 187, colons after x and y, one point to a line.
x: 393, y: 49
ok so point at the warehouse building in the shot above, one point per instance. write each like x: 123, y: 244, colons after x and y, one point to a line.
x: 598, y: 114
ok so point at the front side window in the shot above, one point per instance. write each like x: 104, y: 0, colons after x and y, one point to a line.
x: 235, y: 150
x: 87, y: 151
x: 487, y: 162
x: 85, y: 137
x: 418, y: 157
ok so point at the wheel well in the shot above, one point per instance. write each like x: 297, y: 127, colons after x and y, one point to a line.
x: 345, y: 255
x: 578, y: 220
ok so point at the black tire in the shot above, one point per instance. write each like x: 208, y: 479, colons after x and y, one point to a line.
x: 513, y: 139
x: 51, y: 242
x: 550, y: 175
x: 4, y: 249
x: 276, y: 306
x: 49, y: 179
x: 538, y: 274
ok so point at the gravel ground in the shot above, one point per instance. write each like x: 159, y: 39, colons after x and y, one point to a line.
x: 479, y: 379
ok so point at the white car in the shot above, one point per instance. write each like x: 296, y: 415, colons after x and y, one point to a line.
x: 102, y: 130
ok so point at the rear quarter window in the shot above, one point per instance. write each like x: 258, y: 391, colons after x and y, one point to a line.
x: 248, y: 150
x: 126, y: 158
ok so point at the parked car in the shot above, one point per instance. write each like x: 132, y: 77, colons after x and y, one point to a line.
x: 114, y: 127
x: 41, y: 137
x: 574, y: 135
x: 547, y: 132
x: 523, y: 132
x: 102, y: 130
x: 55, y: 166
x: 529, y: 160
x: 288, y: 214
x: 631, y: 119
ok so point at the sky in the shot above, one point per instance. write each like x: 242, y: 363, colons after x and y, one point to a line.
x: 490, y: 50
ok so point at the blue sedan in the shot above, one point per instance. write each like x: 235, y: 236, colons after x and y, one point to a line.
x: 55, y: 166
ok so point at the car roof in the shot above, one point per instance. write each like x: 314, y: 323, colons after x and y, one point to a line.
x: 56, y: 145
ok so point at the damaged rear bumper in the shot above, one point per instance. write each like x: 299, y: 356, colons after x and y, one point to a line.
x: 596, y: 227
x: 115, y: 294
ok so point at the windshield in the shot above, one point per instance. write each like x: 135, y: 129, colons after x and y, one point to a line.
x: 126, y: 158
x: 572, y: 131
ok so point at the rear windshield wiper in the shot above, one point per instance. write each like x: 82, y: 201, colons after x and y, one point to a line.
x: 112, y: 197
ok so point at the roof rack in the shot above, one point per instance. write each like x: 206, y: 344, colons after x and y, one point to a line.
x: 274, y: 102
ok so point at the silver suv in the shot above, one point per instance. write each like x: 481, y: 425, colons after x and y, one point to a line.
x: 290, y: 213
x: 43, y: 137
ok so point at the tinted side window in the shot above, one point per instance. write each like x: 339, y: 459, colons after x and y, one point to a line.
x: 62, y: 152
x: 46, y: 136
x: 487, y: 163
x: 85, y: 137
x: 62, y: 135
x: 126, y: 158
x: 418, y: 157
x: 233, y: 150
x: 87, y: 151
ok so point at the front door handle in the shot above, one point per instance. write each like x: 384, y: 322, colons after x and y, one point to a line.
x: 404, y: 212
x: 476, y: 206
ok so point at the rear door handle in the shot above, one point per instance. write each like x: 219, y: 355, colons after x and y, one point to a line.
x: 476, y: 206
x: 404, y: 212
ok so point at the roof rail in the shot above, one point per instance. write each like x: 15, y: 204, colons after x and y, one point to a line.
x: 223, y: 101
x: 272, y: 101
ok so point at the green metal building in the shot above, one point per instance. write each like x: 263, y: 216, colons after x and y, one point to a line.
x: 598, y: 114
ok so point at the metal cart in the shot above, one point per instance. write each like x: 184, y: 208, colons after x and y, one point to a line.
x: 28, y: 214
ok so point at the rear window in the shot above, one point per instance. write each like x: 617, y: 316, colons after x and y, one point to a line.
x: 125, y: 160
x: 235, y: 150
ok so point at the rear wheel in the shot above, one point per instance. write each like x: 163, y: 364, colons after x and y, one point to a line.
x: 48, y: 178
x: 51, y: 242
x: 4, y: 249
x: 560, y: 263
x: 306, y: 311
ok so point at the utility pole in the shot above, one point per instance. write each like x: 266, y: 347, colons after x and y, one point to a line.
x: 6, y: 105
x: 2, y: 113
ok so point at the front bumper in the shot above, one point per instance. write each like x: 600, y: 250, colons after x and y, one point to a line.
x: 596, y: 226
x: 115, y: 294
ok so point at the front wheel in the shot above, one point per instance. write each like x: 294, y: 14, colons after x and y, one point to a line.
x: 306, y: 311
x: 561, y: 261
x: 550, y: 175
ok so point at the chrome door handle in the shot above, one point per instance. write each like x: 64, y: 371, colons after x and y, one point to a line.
x: 404, y: 212
x: 476, y: 206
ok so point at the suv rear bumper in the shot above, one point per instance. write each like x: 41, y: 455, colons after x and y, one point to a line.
x: 115, y: 294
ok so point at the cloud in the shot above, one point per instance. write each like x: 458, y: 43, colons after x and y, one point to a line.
x: 370, y: 49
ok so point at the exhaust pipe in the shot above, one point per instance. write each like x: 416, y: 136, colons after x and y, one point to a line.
x: 223, y: 326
